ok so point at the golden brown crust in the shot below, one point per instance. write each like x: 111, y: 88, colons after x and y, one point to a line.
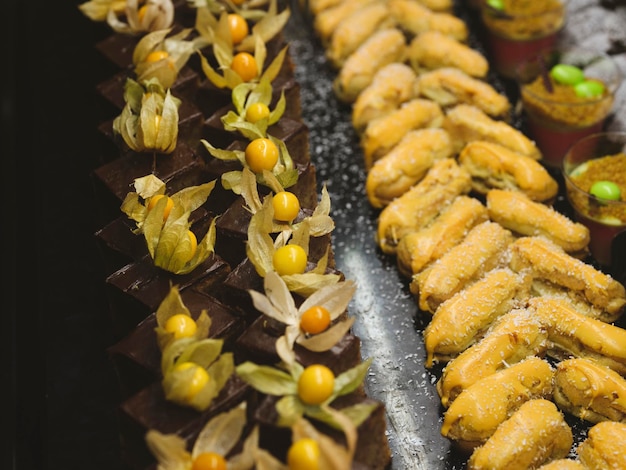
x: 420, y: 248
x: 535, y: 434
x: 482, y: 250
x: 517, y: 212
x: 562, y: 464
x: 494, y: 166
x: 603, y: 449
x: 329, y: 13
x: 419, y: 206
x: 406, y: 164
x: 548, y: 261
x: 415, y: 18
x: 467, y: 123
x: 384, y: 133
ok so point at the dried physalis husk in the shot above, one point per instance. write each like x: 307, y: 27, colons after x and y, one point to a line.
x: 153, y: 15
x: 97, y: 10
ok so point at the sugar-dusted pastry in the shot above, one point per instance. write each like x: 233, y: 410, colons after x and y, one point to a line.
x: 438, y: 5
x: 573, y: 334
x: 353, y: 30
x: 562, y: 464
x: 536, y: 433
x: 548, y: 261
x: 327, y: 19
x: 494, y: 166
x: 415, y: 18
x: 514, y: 337
x: 464, y: 318
x: 381, y: 48
x: 406, y: 164
x: 450, y: 86
x: 604, y: 447
x: 476, y: 413
x: 383, y: 133
x: 467, y: 123
x: 392, y: 85
x: 590, y: 390
x: 318, y: 6
x: 484, y: 248
x: 419, y: 206
x: 418, y: 249
x: 432, y: 50
x: 517, y: 212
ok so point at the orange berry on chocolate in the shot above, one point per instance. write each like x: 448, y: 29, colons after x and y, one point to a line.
x: 168, y: 205
x: 316, y: 384
x: 238, y: 27
x: 181, y: 326
x: 286, y: 206
x: 256, y: 112
x: 261, y: 154
x: 156, y: 56
x: 244, y: 65
x: 199, y: 378
x: 315, y: 320
x: 289, y: 259
x: 141, y: 13
x: 194, y: 243
x: 209, y: 461
x: 304, y: 454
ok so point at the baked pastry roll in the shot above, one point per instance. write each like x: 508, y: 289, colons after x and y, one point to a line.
x: 438, y: 5
x: 392, y: 85
x: 573, y: 334
x: 317, y: 6
x: 549, y: 262
x: 562, y: 464
x: 513, y: 337
x: 333, y: 12
x: 476, y: 413
x: 467, y: 123
x: 419, y: 206
x: 450, y: 86
x: 494, y: 166
x: 353, y: 30
x: 383, y: 133
x: 463, y: 319
x: 381, y: 48
x: 483, y: 249
x: 433, y: 50
x: 590, y: 391
x: 406, y: 164
x: 418, y: 249
x: 604, y: 447
x: 517, y: 212
x: 536, y: 433
x: 415, y: 18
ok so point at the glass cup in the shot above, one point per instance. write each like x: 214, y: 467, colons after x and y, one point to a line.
x: 517, y: 31
x: 598, y: 157
x: 556, y: 116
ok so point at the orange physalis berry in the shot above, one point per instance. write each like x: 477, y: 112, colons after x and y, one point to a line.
x: 168, y: 205
x: 238, y: 27
x: 156, y: 56
x: 316, y: 384
x: 209, y: 461
x: 304, y: 454
x: 245, y: 66
x: 315, y: 320
x: 289, y: 259
x: 261, y: 154
x: 286, y: 206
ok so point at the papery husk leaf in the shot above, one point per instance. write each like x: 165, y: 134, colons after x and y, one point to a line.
x: 282, y: 306
x: 266, y: 461
x: 333, y: 456
x: 267, y: 379
x: 275, y: 66
x: 327, y: 339
x: 222, y: 432
x: 263, y: 305
x: 266, y: 28
x: 171, y: 305
x: 214, y: 77
x: 134, y: 92
x: 169, y: 450
x: 284, y: 349
x: 203, y: 352
x: 240, y: 94
x: 174, y: 247
x: 167, y: 132
x: 192, y: 197
x: 335, y: 298
x: 249, y: 191
x: 204, y: 249
x: 147, y: 44
x: 307, y: 283
x: 300, y: 236
x: 171, y: 353
x: 206, y: 22
x: 245, y: 460
x: 231, y: 180
x: 232, y: 78
x: 288, y: 178
x: 149, y: 185
x: 164, y: 70
x: 176, y: 389
x: 226, y: 155
x: 321, y: 225
x: 247, y: 129
x: 279, y: 109
x: 261, y: 93
x: 223, y: 51
x: 152, y: 226
x: 272, y: 182
x: 134, y: 209
x: 353, y: 378
x: 289, y: 409
x: 260, y: 246
x: 97, y: 10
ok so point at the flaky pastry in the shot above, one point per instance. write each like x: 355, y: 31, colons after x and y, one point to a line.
x: 415, y: 18
x: 329, y: 13
x: 494, y: 166
x: 419, y: 206
x: 604, y: 447
x: 418, y: 249
x: 406, y: 164
x: 562, y: 464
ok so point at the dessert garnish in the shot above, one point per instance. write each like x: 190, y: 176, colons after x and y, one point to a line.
x: 98, y: 10
x: 171, y: 243
x: 317, y: 324
x: 149, y: 120
x: 571, y: 75
x: 153, y: 15
x: 606, y: 190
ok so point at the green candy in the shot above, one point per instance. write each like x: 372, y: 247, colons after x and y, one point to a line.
x: 496, y: 4
x: 589, y: 89
x: 567, y: 74
x: 606, y: 190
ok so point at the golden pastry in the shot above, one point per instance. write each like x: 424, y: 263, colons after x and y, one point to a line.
x: 535, y: 434
x: 463, y: 319
x: 392, y: 85
x: 475, y: 414
x: 590, y: 391
x: 353, y: 30
x: 513, y: 337
x: 450, y: 86
x: 483, y: 249
x: 383, y: 133
x: 573, y: 334
x: 432, y: 50
x: 327, y: 20
x: 415, y: 18
x: 603, y: 449
x: 318, y: 6
x: 406, y: 164
x: 548, y: 261
x: 494, y: 166
x: 517, y: 212
x: 381, y: 48
x: 563, y: 464
x: 438, y: 5
x: 419, y: 206
x: 420, y: 248
x: 467, y: 123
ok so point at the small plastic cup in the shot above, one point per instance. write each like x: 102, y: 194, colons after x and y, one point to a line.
x: 515, y: 34
x: 597, y: 158
x: 555, y: 116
